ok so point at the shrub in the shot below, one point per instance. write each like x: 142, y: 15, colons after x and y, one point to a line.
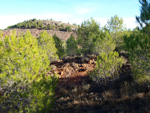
x: 138, y: 47
x: 59, y: 45
x: 1, y: 34
x: 103, y: 43
x: 107, y: 67
x: 48, y: 43
x: 72, y: 48
x: 23, y: 77
x: 68, y: 28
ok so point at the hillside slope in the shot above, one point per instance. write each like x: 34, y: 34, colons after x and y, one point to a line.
x: 63, y: 35
x: 62, y: 30
x: 45, y: 25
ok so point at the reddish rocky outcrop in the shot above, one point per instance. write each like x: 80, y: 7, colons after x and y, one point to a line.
x: 73, y: 69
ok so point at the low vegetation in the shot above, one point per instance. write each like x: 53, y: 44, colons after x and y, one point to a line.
x: 107, y: 67
x: 119, y: 81
x: 72, y: 48
x: 23, y: 68
x: 59, y: 44
x: 47, y: 43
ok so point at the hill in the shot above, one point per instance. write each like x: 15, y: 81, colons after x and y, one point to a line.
x: 63, y: 35
x: 45, y: 25
x: 62, y: 30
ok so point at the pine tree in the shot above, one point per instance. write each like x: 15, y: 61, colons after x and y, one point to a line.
x: 115, y: 27
x: 138, y: 45
x: 144, y: 17
x: 107, y: 67
x: 59, y: 45
x: 23, y: 70
x: 48, y: 43
x: 88, y: 30
x: 103, y: 43
x: 72, y: 48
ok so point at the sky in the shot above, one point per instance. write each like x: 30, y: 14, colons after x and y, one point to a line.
x: 68, y: 11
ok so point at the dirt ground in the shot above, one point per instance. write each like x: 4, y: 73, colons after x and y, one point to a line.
x: 77, y: 93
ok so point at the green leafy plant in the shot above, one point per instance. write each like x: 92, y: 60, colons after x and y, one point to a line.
x: 1, y: 34
x: 144, y: 17
x: 68, y: 28
x: 103, y: 43
x: 115, y: 25
x: 23, y: 80
x: 138, y: 47
x: 72, y: 48
x: 107, y: 66
x: 48, y: 43
x: 86, y: 33
x: 59, y: 45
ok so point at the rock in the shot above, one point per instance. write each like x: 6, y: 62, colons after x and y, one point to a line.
x: 75, y: 89
x: 74, y: 65
x: 86, y: 87
x: 80, y: 65
x: 86, y: 60
x: 56, y: 72
x: 84, y: 65
x: 92, y: 61
x: 66, y: 65
x: 69, y: 71
x: 62, y: 73
x: 61, y: 99
x: 76, y: 102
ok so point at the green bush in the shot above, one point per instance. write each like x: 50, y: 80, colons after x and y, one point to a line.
x: 86, y: 33
x: 1, y: 34
x: 68, y: 28
x: 138, y: 47
x: 59, y: 45
x: 48, y: 43
x: 23, y: 80
x: 103, y: 43
x: 107, y: 66
x: 72, y: 48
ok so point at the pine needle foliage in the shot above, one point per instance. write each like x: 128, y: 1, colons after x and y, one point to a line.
x: 23, y: 80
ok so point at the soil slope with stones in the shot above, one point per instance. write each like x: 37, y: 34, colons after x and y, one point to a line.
x: 76, y: 93
x: 63, y: 35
